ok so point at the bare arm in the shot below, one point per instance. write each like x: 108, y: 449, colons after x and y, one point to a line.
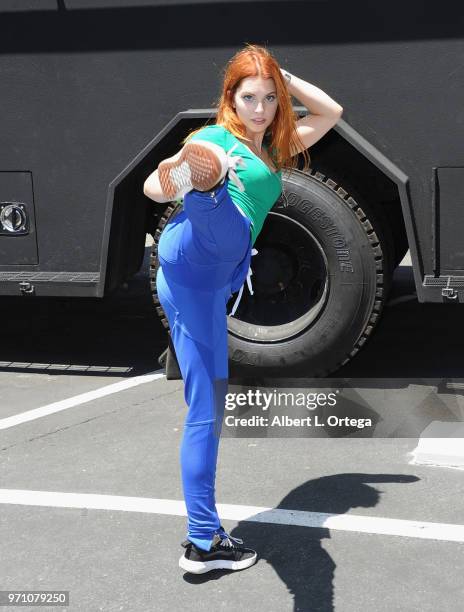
x: 325, y: 112
x: 315, y: 100
x: 152, y: 188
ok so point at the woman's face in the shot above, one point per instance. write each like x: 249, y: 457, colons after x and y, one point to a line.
x: 256, y: 98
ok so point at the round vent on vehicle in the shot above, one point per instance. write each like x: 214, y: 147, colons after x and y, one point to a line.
x: 13, y: 217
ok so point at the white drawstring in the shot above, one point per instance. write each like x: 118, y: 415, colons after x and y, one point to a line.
x: 248, y: 282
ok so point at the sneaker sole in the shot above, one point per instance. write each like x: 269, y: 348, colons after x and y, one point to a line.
x: 196, y: 167
x: 198, y: 567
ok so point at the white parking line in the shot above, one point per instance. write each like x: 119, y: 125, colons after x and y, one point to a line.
x: 82, y: 398
x: 256, y: 514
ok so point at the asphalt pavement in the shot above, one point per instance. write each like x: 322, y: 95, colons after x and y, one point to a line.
x: 91, y: 499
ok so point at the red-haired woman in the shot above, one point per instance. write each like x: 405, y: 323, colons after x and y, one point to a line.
x: 229, y: 175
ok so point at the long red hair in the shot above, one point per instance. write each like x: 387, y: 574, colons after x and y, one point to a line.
x: 252, y: 61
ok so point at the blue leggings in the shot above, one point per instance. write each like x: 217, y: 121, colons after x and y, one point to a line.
x: 204, y: 255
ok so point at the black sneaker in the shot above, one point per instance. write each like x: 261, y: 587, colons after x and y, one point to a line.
x: 198, y: 165
x: 223, y: 554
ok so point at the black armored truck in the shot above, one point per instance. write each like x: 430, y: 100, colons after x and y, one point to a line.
x: 95, y: 93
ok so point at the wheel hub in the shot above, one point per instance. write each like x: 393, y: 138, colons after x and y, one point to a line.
x: 290, y: 283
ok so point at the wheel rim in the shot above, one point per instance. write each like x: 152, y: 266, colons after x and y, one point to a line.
x: 290, y: 282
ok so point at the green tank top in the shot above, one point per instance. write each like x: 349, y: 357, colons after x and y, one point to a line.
x: 262, y: 186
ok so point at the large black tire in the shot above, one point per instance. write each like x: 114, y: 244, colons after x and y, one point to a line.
x: 320, y: 279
